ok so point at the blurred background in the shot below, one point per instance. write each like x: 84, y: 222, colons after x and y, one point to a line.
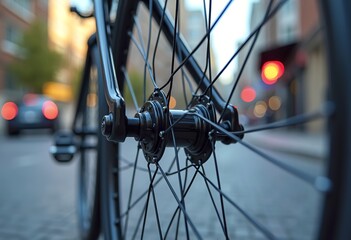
x: 42, y: 52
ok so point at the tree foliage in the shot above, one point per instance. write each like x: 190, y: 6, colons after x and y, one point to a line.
x: 36, y: 63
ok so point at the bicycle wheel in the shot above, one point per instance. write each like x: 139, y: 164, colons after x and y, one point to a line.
x: 188, y: 172
x: 92, y: 144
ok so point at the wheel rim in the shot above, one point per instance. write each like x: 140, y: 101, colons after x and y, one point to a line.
x: 185, y: 172
x: 88, y: 170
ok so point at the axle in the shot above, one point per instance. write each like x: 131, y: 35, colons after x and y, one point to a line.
x: 156, y: 127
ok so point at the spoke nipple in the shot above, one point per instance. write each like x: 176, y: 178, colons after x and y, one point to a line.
x: 210, y: 135
x: 164, y: 108
x: 162, y: 134
x: 209, y: 105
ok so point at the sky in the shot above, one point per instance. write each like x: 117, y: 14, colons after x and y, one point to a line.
x: 230, y: 30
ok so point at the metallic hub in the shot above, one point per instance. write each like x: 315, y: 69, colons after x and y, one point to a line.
x: 189, y: 130
x: 156, y: 127
x: 153, y: 118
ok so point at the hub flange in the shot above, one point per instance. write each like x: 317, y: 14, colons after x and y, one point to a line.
x: 160, y: 127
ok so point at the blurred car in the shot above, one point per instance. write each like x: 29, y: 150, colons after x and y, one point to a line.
x: 31, y: 112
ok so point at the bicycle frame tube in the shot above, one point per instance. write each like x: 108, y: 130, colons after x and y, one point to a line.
x: 113, y: 95
x: 167, y: 27
x: 191, y: 64
x: 116, y: 126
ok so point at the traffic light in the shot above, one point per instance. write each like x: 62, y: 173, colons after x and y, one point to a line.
x: 271, y: 71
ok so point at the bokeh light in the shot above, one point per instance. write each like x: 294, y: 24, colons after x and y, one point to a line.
x: 272, y: 71
x: 260, y: 109
x: 274, y: 103
x: 248, y: 94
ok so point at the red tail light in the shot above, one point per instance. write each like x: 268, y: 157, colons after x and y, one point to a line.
x: 50, y: 110
x: 9, y: 111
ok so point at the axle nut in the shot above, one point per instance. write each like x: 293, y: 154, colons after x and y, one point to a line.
x: 106, y: 125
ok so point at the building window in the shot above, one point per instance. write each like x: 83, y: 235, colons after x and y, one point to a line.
x: 12, y: 37
x: 10, y: 82
x: 22, y: 8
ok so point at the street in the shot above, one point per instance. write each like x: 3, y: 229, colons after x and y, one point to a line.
x: 38, y: 196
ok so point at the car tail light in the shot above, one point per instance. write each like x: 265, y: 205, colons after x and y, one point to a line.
x: 50, y: 110
x: 9, y: 111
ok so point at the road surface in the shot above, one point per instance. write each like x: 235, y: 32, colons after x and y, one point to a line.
x: 38, y: 196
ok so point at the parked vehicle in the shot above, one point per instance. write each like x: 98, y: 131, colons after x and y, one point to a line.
x: 31, y: 112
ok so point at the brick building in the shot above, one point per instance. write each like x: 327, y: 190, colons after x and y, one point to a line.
x: 293, y: 37
x: 15, y: 18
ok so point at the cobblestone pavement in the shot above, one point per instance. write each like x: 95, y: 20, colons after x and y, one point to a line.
x: 38, y: 196
x: 286, y: 206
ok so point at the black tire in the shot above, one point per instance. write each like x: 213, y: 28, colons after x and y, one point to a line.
x: 117, y: 204
x: 90, y: 159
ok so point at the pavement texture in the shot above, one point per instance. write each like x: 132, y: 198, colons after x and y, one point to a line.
x: 297, y: 143
x: 38, y: 196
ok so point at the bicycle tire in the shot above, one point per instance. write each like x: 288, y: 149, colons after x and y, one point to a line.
x: 336, y: 207
x: 89, y: 195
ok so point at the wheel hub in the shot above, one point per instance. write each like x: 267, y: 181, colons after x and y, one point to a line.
x: 160, y: 127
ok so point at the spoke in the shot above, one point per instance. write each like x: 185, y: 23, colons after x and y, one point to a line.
x: 185, y: 193
x: 295, y: 120
x: 178, y: 224
x: 147, y: 202
x: 270, y: 15
x: 320, y: 183
x: 154, y: 200
x: 174, y: 44
x: 180, y: 204
x: 139, y: 31
x: 175, y: 47
x: 181, y: 170
x: 208, y: 53
x: 185, y: 79
x: 259, y: 226
x: 131, y: 89
x: 214, y: 205
x: 131, y: 191
x: 130, y: 164
x: 158, y: 38
x: 199, y: 44
x: 139, y: 222
x: 179, y: 178
x: 219, y: 186
x: 245, y: 60
x: 143, y: 54
x: 147, y: 65
x: 142, y: 195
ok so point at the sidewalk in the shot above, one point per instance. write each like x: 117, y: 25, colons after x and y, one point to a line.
x: 299, y: 143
